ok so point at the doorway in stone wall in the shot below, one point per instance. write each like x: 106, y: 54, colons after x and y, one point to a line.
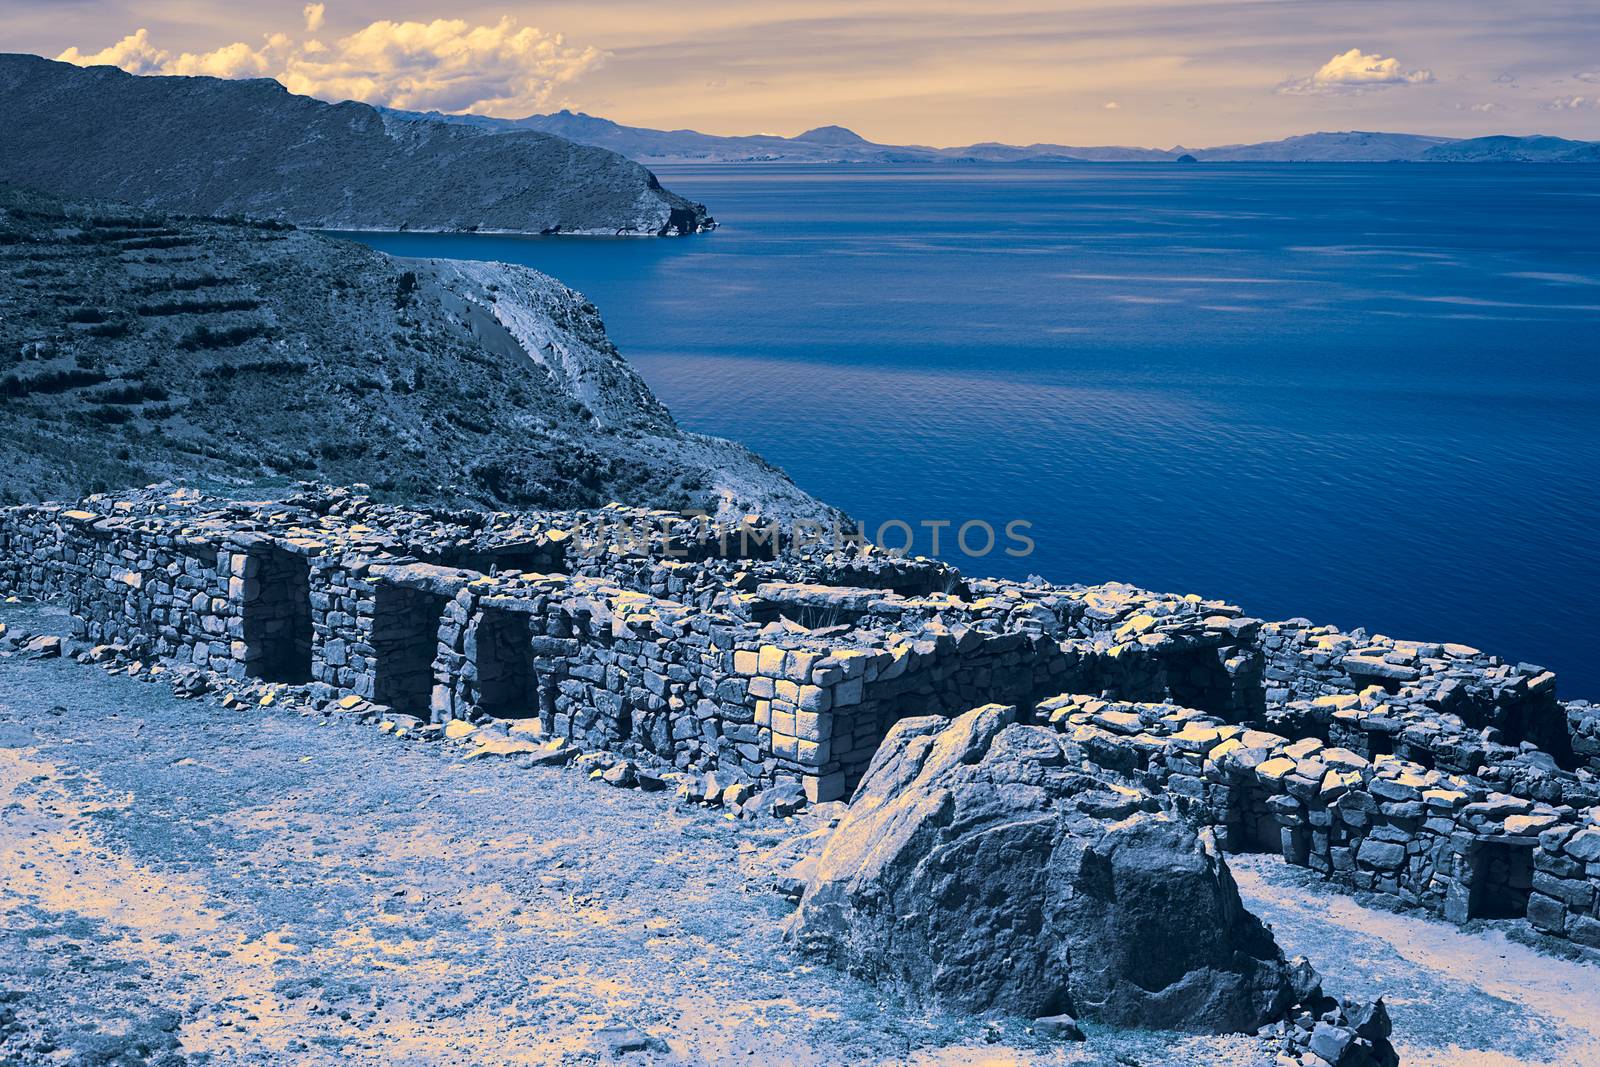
x: 503, y: 657
x: 1251, y: 826
x: 405, y: 639
x: 276, y: 607
x: 1502, y: 876
x: 1199, y: 680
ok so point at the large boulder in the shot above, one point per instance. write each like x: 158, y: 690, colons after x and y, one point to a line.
x: 978, y: 870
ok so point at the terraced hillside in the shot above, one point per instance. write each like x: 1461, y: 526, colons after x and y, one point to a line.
x: 139, y: 346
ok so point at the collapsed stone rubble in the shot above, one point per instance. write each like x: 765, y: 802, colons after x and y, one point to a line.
x: 1438, y: 775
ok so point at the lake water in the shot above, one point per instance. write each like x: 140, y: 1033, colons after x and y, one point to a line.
x: 1368, y: 395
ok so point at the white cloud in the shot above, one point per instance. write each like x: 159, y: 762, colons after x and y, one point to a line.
x: 314, y: 14
x: 1356, y: 71
x: 1572, y: 103
x: 1592, y: 76
x: 1483, y: 108
x: 134, y: 54
x: 236, y: 60
x: 445, y: 64
x: 1111, y: 105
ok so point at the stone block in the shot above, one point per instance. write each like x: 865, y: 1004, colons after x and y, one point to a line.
x: 814, y: 753
x: 770, y: 661
x: 783, y: 722
x: 798, y: 665
x: 820, y: 789
x: 1585, y: 930
x: 1547, y: 913
x: 814, y: 698
x: 813, y: 725
x: 1383, y: 855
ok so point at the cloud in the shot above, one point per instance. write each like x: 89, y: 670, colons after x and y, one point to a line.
x: 1111, y: 105
x: 1483, y: 108
x: 237, y: 60
x: 1591, y: 76
x: 1571, y: 103
x: 134, y: 54
x: 1355, y: 71
x: 446, y: 65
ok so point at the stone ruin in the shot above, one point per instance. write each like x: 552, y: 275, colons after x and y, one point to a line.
x: 982, y: 866
x: 1437, y: 775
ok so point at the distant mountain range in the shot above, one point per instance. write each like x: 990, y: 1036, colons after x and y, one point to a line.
x: 835, y: 144
x: 209, y: 146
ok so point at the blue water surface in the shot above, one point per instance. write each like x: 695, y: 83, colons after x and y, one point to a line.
x: 1362, y: 394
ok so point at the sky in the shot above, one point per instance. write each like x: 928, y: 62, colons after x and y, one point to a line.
x: 938, y: 72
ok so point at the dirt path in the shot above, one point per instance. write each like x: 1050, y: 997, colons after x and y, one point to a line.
x: 184, y: 883
x: 1459, y: 998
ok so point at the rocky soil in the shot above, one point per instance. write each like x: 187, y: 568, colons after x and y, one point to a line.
x: 138, y: 346
x: 216, y: 147
x: 184, y: 882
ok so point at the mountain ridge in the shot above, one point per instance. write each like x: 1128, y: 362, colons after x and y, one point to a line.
x: 837, y: 144
x: 210, y: 146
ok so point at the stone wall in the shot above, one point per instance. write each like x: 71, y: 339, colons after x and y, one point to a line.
x: 1433, y: 773
x: 1446, y: 842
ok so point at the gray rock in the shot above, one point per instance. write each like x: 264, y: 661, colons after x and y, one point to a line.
x: 1331, y: 1042
x: 1060, y: 1027
x: 620, y: 775
x: 45, y: 646
x: 621, y: 1040
x: 977, y: 870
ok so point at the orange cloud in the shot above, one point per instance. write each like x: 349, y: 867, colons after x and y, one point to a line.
x: 446, y: 64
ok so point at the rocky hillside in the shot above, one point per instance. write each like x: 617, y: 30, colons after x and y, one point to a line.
x: 216, y: 147
x: 1515, y: 150
x: 137, y: 346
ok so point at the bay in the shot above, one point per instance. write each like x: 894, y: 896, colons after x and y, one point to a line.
x: 1368, y: 395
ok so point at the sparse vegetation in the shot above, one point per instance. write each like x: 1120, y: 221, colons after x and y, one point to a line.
x: 129, y: 393
x: 198, y: 307
x: 47, y: 383
x: 205, y: 337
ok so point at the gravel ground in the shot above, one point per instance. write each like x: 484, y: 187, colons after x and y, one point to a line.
x: 183, y: 883
x: 1459, y: 998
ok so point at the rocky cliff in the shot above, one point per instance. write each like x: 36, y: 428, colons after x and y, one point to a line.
x: 218, y: 147
x: 136, y: 346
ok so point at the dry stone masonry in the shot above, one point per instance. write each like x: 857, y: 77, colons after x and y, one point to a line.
x: 1437, y: 775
